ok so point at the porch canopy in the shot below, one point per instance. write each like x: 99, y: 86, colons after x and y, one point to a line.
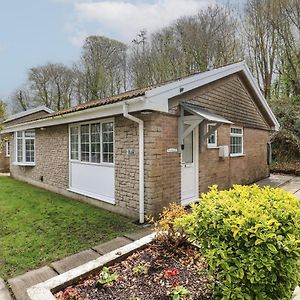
x: 196, y: 117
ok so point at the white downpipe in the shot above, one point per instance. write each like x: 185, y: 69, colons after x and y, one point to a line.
x: 141, y: 160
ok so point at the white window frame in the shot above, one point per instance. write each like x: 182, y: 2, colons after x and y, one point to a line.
x: 237, y: 135
x: 101, y: 121
x: 215, y: 144
x: 7, y: 148
x: 23, y: 138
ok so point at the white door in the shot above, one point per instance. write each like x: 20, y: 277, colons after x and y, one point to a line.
x: 189, y: 168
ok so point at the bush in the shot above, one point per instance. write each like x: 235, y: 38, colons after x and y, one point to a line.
x: 167, y: 232
x: 250, y: 239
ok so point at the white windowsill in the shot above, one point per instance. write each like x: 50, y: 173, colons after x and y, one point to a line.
x: 110, y: 165
x: 212, y: 147
x: 237, y: 155
x: 24, y: 164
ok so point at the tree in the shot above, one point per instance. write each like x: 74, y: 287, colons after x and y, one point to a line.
x: 102, y: 68
x: 262, y: 40
x: 51, y: 85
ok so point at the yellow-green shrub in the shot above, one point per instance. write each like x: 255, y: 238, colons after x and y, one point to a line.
x: 250, y: 239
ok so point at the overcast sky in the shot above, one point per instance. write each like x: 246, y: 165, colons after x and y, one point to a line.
x: 34, y: 32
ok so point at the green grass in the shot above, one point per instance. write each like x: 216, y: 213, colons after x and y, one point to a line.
x: 38, y: 227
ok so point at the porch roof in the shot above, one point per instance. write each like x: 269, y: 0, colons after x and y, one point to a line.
x: 205, y: 114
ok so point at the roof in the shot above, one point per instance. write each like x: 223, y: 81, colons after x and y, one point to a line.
x: 205, y: 114
x: 28, y: 112
x: 150, y: 98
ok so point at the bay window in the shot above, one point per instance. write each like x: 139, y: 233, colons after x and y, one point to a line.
x: 92, y: 142
x: 25, y: 147
x: 236, y: 141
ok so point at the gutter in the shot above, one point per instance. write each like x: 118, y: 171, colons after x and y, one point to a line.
x: 141, y: 161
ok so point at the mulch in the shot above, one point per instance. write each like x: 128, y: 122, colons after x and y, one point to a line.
x: 160, y: 270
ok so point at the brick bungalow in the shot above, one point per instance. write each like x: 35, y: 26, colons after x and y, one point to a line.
x: 138, y: 151
x: 25, y: 116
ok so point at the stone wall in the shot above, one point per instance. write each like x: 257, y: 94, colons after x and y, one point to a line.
x: 51, y: 158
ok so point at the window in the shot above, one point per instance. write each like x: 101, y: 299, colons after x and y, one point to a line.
x: 212, y: 140
x: 236, y: 141
x: 7, y: 149
x: 93, y: 142
x: 25, y: 147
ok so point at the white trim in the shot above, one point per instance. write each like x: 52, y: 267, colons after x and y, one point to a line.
x: 215, y: 144
x: 28, y: 112
x: 7, y: 149
x: 101, y: 121
x: 237, y: 135
x: 155, y: 99
x: 23, y: 139
x: 195, y: 198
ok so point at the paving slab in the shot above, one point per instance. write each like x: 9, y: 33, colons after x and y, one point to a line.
x: 21, y: 283
x: 139, y: 234
x: 291, y: 187
x: 112, y: 245
x: 4, y: 293
x: 297, y: 194
x: 74, y: 261
x: 275, y: 180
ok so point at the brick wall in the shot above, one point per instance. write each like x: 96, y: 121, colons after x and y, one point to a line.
x: 234, y: 170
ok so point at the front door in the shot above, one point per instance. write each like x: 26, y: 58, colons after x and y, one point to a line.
x: 189, y: 167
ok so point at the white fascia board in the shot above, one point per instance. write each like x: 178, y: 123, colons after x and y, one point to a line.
x: 135, y: 104
x: 163, y: 93
x: 29, y: 112
x: 261, y: 97
x: 194, y: 81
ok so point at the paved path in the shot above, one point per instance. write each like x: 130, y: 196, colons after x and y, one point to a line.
x: 285, y: 182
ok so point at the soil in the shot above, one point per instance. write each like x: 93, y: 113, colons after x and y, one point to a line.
x: 151, y: 273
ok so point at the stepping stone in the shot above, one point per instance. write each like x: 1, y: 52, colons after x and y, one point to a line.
x: 4, y: 293
x: 74, y: 261
x: 139, y: 234
x: 291, y: 187
x: 21, y: 283
x: 112, y: 245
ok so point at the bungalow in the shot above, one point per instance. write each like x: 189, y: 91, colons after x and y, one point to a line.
x: 138, y: 151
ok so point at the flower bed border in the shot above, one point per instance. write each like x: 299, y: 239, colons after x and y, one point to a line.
x: 45, y: 290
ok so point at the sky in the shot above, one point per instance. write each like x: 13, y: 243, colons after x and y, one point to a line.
x: 35, y: 32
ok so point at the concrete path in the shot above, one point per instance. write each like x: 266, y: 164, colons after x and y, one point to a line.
x: 286, y: 182
x: 21, y: 283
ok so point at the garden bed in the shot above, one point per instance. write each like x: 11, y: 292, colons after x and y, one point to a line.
x: 154, y: 272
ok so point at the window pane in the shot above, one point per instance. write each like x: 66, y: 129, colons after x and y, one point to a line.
x: 19, y: 150
x: 187, y: 152
x: 29, y: 133
x: 212, y: 137
x: 29, y: 150
x: 74, y: 143
x: 85, y: 143
x: 107, y: 142
x: 95, y: 143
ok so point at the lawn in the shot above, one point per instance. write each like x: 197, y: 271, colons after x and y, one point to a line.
x: 38, y: 227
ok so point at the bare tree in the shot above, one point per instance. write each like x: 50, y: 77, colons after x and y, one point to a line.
x: 101, y: 68
x: 262, y: 41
